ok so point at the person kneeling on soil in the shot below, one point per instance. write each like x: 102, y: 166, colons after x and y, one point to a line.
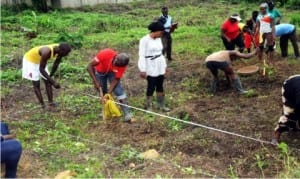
x: 35, y: 65
x: 291, y: 107
x: 11, y: 151
x: 222, y: 60
x: 110, y: 66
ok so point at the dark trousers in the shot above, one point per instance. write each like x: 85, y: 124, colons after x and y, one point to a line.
x: 10, y: 153
x: 155, y: 84
x: 238, y: 41
x: 167, y: 45
x: 284, y: 43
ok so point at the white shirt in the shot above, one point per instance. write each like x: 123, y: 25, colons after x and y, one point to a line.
x: 151, y: 47
x: 168, y: 23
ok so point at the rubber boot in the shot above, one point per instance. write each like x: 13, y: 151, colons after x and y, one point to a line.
x: 238, y: 86
x: 149, y: 104
x: 126, y: 111
x: 161, y: 103
x: 213, y: 86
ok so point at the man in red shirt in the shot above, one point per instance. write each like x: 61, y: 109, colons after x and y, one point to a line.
x: 230, y: 33
x: 110, y: 66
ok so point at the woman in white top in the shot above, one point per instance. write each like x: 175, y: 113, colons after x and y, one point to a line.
x: 152, y: 64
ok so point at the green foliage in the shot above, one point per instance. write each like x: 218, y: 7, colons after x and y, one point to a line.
x: 127, y: 153
x: 232, y: 172
x: 75, y: 40
x: 291, y: 165
x: 295, y: 19
x: 293, y: 4
x: 11, y: 75
x: 177, y: 125
x: 251, y: 93
x: 260, y: 163
x: 189, y: 170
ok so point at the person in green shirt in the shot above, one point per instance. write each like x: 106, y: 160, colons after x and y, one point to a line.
x: 274, y: 12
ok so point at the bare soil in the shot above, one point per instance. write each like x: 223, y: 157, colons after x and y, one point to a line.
x: 204, y: 150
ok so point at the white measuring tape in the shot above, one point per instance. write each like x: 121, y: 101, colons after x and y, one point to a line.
x: 188, y: 122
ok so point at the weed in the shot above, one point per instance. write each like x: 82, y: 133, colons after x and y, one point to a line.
x: 176, y: 125
x: 11, y: 75
x: 232, y: 172
x: 291, y: 165
x: 127, y: 153
x: 251, y: 93
x: 189, y: 170
x: 260, y: 164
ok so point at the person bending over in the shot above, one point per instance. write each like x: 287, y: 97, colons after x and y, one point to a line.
x: 287, y: 32
x: 108, y: 65
x: 290, y: 119
x: 35, y: 66
x: 223, y: 60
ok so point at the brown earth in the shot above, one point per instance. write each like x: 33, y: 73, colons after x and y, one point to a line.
x: 204, y: 150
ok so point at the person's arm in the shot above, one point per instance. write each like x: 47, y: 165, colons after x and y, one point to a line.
x: 278, y: 13
x: 223, y: 35
x: 55, y: 65
x: 273, y: 29
x: 113, y: 85
x: 243, y: 55
x: 91, y: 70
x: 8, y: 137
x: 45, y: 55
x: 142, y: 59
x: 257, y: 28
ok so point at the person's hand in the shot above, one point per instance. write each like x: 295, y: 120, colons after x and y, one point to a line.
x: 167, y: 74
x: 274, y: 142
x: 56, y: 85
x: 104, y: 99
x: 97, y: 85
x: 143, y: 75
x: 9, y: 136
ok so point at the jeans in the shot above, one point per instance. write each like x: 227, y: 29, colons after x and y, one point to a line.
x: 11, y: 151
x: 104, y: 77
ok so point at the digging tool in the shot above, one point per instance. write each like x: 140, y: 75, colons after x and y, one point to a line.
x: 101, y: 97
x: 264, y: 68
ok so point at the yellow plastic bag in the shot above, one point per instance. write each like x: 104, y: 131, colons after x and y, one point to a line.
x: 110, y: 109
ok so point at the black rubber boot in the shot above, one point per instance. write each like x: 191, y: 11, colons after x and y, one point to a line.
x: 126, y: 111
x: 161, y: 104
x: 148, y: 103
x: 213, y: 86
x: 238, y: 86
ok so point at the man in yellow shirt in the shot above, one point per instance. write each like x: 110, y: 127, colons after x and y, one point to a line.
x: 35, y: 65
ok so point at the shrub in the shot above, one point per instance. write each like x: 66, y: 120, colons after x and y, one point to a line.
x: 75, y: 40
